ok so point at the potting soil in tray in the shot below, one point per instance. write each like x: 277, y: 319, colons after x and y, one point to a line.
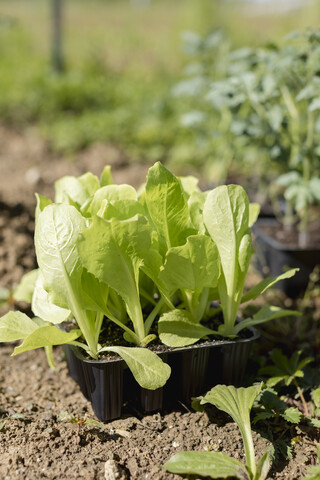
x: 108, y: 383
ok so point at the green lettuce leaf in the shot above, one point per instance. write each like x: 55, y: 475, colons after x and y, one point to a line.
x: 147, y: 368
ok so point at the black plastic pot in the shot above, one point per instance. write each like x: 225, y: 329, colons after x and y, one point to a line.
x: 108, y: 384
x: 273, y: 258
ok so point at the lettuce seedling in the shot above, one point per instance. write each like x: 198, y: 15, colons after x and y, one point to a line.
x: 237, y: 402
x: 228, y: 217
x: 190, y: 265
x: 212, y: 264
x: 88, y: 266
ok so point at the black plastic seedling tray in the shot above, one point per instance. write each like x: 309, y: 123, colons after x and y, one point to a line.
x: 273, y: 257
x: 108, y: 384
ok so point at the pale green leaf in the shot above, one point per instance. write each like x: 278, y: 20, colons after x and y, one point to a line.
x: 46, y: 336
x: 226, y: 216
x: 237, y: 402
x: 208, y: 464
x: 316, y: 397
x: 167, y: 205
x: 265, y: 314
x: 245, y: 252
x: 121, y: 210
x: 16, y: 326
x: 79, y: 190
x: 113, y: 252
x: 314, y: 186
x: 147, y: 368
x: 263, y: 467
x: 24, y: 291
x: 178, y: 328
x: 257, y: 290
x: 314, y: 105
x: 287, y: 179
x: 195, y: 204
x: 42, y: 306
x: 106, y: 176
x: 189, y: 184
x: 42, y: 202
x: 94, y: 293
x: 57, y: 231
x: 192, y: 266
x: 254, y: 210
x: 313, y: 473
x: 112, y: 194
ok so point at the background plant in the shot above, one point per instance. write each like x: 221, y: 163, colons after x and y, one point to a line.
x: 237, y: 402
x: 265, y: 104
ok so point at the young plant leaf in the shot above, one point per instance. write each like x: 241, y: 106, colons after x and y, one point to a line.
x: 147, y: 368
x: 189, y: 184
x: 254, y: 210
x: 226, y: 216
x: 178, y: 328
x: 192, y: 266
x: 56, y: 238
x: 195, y: 205
x: 263, y: 467
x: 24, y: 291
x: 257, y: 290
x: 106, y: 176
x: 56, y: 235
x: 94, y: 293
x: 118, y: 197
x: 16, y: 326
x: 237, y: 402
x: 207, y: 464
x: 315, y: 394
x: 42, y: 306
x: 167, y: 205
x: 42, y: 202
x: 46, y: 336
x: 78, y: 190
x: 113, y: 252
x: 313, y: 473
x: 265, y: 314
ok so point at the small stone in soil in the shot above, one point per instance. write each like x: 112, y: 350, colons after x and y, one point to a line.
x: 113, y: 471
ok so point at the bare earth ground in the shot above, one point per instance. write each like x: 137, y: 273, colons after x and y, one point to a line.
x: 35, y: 443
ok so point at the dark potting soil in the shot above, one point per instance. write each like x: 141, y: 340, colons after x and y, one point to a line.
x: 112, y: 334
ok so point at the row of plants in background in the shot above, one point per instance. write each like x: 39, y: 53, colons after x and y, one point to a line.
x: 264, y: 103
x: 260, y: 106
x: 90, y: 102
x: 150, y: 263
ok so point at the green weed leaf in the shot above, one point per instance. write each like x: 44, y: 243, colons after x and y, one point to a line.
x: 207, y: 464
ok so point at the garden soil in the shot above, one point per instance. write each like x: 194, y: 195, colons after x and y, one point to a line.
x: 42, y: 434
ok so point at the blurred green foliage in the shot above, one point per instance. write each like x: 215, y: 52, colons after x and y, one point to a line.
x: 260, y: 107
x: 122, y: 62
